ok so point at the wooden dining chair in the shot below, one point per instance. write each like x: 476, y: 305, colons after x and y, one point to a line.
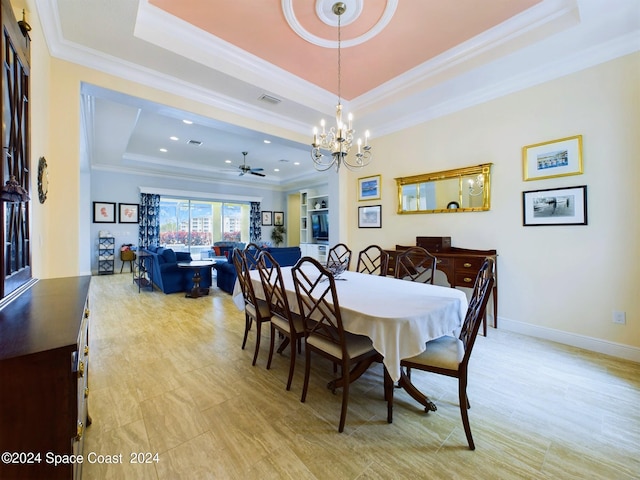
x: 373, y: 260
x: 416, y: 264
x: 289, y: 324
x: 450, y: 355
x: 324, y: 333
x: 255, y: 309
x: 339, y: 257
x: 251, y: 252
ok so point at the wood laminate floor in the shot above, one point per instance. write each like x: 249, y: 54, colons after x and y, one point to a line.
x: 167, y: 376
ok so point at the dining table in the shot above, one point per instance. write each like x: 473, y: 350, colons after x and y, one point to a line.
x: 399, y: 316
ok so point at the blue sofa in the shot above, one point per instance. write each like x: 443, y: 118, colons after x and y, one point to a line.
x: 222, y: 249
x: 226, y: 272
x: 167, y: 276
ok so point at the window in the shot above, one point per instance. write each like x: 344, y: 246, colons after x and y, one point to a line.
x: 194, y: 225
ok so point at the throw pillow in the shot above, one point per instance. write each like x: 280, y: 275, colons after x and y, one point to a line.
x: 169, y: 256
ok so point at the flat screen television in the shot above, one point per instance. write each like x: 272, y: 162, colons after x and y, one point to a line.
x: 320, y: 225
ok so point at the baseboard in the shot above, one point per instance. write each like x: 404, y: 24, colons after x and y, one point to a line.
x: 575, y: 340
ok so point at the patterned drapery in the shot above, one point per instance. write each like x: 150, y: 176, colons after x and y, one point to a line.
x: 255, y: 223
x: 149, y: 230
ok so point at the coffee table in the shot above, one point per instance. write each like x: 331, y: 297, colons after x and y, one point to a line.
x: 197, y: 265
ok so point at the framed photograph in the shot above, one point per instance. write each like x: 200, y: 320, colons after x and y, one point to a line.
x: 369, y: 188
x: 555, y: 206
x: 278, y: 219
x: 370, y: 217
x: 128, y: 213
x: 104, y: 212
x: 266, y: 219
x: 557, y: 158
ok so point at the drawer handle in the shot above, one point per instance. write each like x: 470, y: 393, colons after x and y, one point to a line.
x: 81, y: 369
x: 79, y: 431
x: 86, y: 392
x: 467, y: 265
x: 468, y: 280
x: 438, y: 261
x: 86, y: 313
x: 86, y: 350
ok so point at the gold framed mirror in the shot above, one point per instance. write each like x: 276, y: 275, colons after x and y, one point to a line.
x: 465, y: 189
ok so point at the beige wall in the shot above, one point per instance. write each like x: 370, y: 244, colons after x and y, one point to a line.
x: 565, y: 278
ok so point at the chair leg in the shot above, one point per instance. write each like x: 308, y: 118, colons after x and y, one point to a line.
x: 307, y: 370
x: 464, y: 406
x: 258, y: 336
x: 271, y: 345
x: 292, y: 364
x: 247, y: 327
x: 345, y: 397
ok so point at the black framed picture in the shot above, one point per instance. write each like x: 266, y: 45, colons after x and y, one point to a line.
x: 104, y: 212
x: 267, y: 219
x: 128, y: 213
x: 278, y: 219
x: 555, y: 206
x: 370, y: 217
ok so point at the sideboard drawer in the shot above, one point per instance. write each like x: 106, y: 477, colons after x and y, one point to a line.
x: 443, y: 263
x: 465, y: 279
x: 470, y: 264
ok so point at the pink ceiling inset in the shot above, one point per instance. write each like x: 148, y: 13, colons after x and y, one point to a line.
x: 418, y: 31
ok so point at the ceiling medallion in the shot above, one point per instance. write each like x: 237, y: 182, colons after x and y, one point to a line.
x: 324, y: 9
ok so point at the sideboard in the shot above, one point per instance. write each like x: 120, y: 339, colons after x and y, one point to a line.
x: 460, y: 266
x: 44, y: 354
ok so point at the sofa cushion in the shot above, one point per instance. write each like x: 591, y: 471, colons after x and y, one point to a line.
x: 169, y: 256
x: 183, y: 257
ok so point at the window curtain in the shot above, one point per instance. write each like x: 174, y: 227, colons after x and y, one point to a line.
x: 255, y: 223
x: 149, y: 230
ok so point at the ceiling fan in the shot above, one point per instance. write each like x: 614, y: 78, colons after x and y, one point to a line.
x: 244, y: 168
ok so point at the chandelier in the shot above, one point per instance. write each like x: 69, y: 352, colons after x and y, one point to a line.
x: 338, y: 140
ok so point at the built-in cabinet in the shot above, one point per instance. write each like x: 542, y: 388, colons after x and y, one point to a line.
x: 312, y: 203
x: 44, y: 365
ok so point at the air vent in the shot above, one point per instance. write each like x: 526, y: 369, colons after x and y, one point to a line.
x: 269, y: 99
x: 197, y: 143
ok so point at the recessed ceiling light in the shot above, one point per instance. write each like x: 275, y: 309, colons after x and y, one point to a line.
x: 174, y: 138
x: 267, y: 141
x: 188, y: 122
x: 163, y: 150
x: 276, y: 169
x: 227, y: 161
x: 296, y: 163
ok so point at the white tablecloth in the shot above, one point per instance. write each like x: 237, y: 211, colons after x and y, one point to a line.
x: 398, y: 315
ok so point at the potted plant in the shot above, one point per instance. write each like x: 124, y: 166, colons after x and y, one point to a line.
x: 277, y: 234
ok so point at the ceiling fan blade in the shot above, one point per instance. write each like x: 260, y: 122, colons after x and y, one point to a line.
x: 258, y: 174
x: 257, y: 169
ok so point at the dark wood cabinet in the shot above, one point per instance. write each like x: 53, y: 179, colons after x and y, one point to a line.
x: 460, y: 265
x: 44, y: 366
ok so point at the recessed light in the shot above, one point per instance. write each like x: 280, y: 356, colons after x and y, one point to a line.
x: 188, y: 122
x: 276, y: 169
x: 296, y: 163
x: 227, y: 161
x: 267, y: 141
x: 175, y: 139
x: 163, y: 150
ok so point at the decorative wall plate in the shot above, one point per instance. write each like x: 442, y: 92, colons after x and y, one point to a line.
x: 43, y: 180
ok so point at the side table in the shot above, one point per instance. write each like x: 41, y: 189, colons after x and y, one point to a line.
x: 196, y: 266
x: 141, y: 274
